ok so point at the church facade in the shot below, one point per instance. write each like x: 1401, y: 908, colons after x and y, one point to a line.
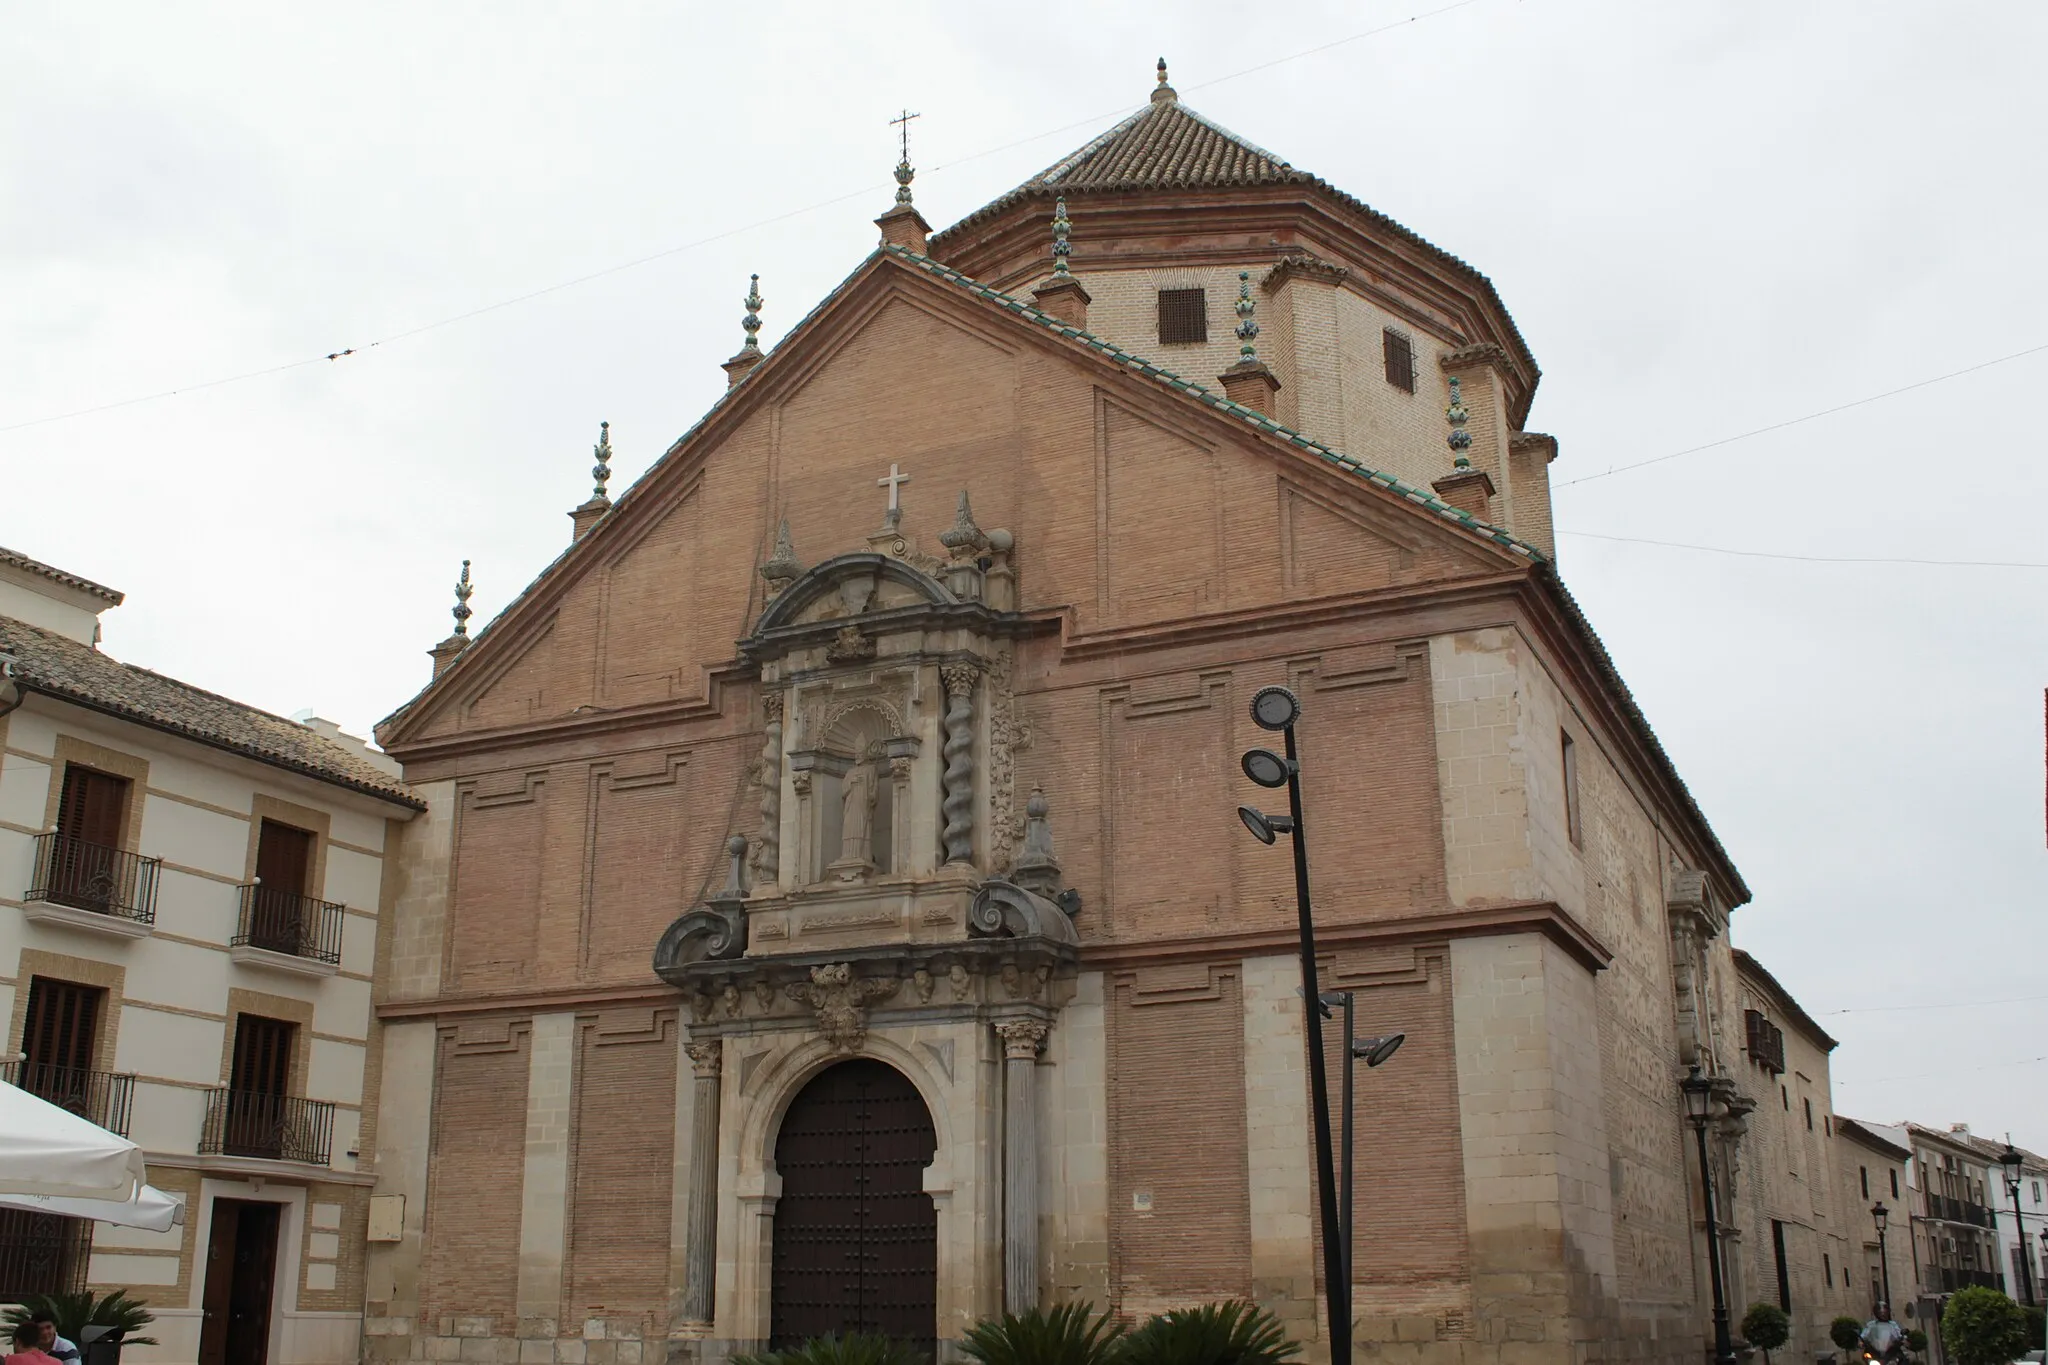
x: 831, y: 910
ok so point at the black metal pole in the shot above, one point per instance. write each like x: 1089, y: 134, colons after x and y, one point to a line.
x: 1724, y: 1344
x: 1334, y: 1297
x: 1344, y: 1176
x: 1884, y: 1270
x: 2019, y: 1221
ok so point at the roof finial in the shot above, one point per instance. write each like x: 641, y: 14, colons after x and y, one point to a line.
x: 1163, y: 92
x: 1247, y: 329
x: 461, y: 612
x: 1460, y: 440
x: 903, y: 171
x: 752, y: 321
x: 602, y: 471
x: 1060, y: 228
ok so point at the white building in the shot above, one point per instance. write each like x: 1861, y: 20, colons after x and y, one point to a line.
x: 189, y: 900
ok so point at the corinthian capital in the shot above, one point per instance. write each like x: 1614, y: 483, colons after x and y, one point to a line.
x: 1021, y: 1037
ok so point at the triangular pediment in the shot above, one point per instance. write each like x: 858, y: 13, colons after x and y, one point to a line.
x: 1123, y: 484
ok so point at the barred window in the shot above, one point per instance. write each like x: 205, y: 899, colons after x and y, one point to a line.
x: 1183, y: 315
x: 1400, y: 355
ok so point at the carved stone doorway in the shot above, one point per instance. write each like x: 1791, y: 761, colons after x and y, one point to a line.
x: 855, y: 1244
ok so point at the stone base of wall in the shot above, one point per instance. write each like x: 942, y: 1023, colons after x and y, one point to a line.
x: 472, y: 1341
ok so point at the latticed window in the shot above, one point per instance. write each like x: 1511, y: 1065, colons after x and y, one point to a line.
x: 1400, y: 355
x: 1183, y: 315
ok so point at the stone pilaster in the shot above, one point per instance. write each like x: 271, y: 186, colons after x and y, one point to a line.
x: 767, y: 861
x: 1021, y: 1040
x: 544, y: 1186
x: 701, y: 1261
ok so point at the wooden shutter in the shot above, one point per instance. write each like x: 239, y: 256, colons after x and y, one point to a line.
x: 263, y: 1055
x: 61, y: 1026
x: 1400, y: 358
x: 1183, y: 315
x: 92, y: 807
x: 284, y: 858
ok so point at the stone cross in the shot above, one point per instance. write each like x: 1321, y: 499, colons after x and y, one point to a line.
x: 894, y: 483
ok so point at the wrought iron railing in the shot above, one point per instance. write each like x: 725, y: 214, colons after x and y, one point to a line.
x: 279, y: 1127
x: 1948, y: 1281
x: 42, y: 1253
x: 285, y: 922
x: 101, y: 1097
x: 111, y: 881
x: 1958, y: 1211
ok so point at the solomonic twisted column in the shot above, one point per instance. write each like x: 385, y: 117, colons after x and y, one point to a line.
x: 1021, y: 1041
x: 768, y: 843
x: 702, y: 1252
x: 957, y: 804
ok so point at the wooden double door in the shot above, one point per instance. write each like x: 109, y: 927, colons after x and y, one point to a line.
x: 241, y: 1281
x: 856, y: 1237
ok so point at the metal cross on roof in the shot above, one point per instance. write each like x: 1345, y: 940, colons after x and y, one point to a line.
x: 902, y: 121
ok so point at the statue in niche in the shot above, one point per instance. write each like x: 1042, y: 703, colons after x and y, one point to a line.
x: 857, y: 814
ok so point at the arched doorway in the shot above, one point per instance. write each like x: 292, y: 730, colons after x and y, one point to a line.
x: 856, y: 1237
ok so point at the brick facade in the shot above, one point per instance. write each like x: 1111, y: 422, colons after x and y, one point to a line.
x: 1523, y: 1189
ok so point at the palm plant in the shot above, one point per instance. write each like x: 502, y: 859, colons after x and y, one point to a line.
x: 1234, y: 1333
x: 833, y: 1349
x: 74, y: 1312
x: 1070, y: 1334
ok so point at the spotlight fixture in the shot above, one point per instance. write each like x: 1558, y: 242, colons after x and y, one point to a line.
x: 1377, y: 1050
x: 1264, y: 826
x: 1265, y: 767
x: 1275, y: 708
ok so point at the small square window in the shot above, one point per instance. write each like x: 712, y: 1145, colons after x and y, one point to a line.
x: 1183, y: 315
x: 1400, y: 356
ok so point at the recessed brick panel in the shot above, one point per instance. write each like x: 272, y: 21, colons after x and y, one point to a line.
x: 474, y: 1171
x: 624, y: 1166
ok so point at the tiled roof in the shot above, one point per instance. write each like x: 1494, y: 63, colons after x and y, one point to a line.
x: 15, y: 559
x: 60, y: 667
x: 1168, y: 146
x: 1250, y: 416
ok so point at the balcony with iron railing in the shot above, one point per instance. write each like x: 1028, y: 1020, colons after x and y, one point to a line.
x: 273, y: 1127
x: 92, y: 885
x: 101, y: 1097
x: 1940, y: 1206
x: 1944, y: 1280
x: 286, y: 930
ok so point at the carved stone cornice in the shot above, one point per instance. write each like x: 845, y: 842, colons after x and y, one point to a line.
x: 1485, y: 353
x: 1304, y: 267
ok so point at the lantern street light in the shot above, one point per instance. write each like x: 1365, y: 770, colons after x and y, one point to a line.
x: 1879, y: 1214
x: 1699, y: 1102
x: 2012, y: 1159
x: 1275, y: 709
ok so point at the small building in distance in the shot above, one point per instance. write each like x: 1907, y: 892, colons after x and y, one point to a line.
x: 189, y: 901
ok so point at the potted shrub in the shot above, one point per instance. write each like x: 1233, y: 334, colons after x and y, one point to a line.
x: 1983, y: 1327
x: 1070, y: 1334
x: 1766, y: 1327
x: 1845, y: 1332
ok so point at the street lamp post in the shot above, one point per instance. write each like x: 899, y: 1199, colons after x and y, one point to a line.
x: 1879, y: 1214
x: 2044, y: 1263
x: 1699, y: 1100
x: 1276, y: 709
x: 1372, y: 1051
x: 2013, y: 1160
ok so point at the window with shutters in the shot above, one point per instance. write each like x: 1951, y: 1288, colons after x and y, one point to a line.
x: 1183, y: 315
x: 93, y: 806
x: 1400, y: 357
x: 59, y: 1043
x: 1766, y: 1044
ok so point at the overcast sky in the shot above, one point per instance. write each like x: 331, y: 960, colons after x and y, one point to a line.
x: 1705, y: 218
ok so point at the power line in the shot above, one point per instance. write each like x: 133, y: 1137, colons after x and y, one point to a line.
x: 1809, y: 417
x: 1945, y: 1071
x: 1960, y: 1005
x: 867, y: 189
x: 1811, y: 559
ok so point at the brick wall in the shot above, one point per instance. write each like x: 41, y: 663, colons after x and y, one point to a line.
x: 472, y: 1226
x: 1179, y: 1221
x: 621, y: 1210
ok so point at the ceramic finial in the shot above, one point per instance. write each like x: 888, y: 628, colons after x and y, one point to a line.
x: 1247, y: 326
x: 462, y: 612
x: 1460, y: 440
x: 1060, y: 228
x: 601, y: 472
x: 752, y: 321
x: 1162, y: 91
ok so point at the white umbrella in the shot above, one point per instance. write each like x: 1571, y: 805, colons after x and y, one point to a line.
x: 151, y: 1208
x: 51, y: 1151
